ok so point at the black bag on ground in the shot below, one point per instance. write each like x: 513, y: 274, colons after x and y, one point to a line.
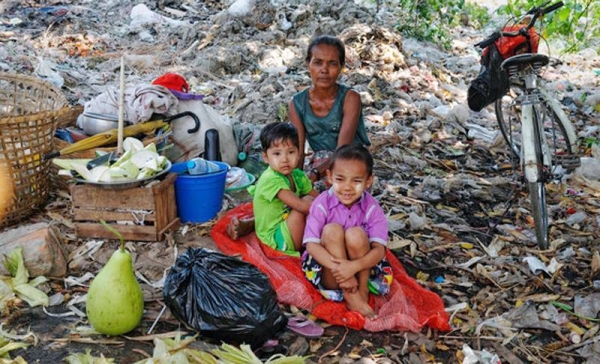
x: 492, y: 82
x: 223, y: 297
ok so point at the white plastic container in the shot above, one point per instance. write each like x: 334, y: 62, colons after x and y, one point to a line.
x: 198, y: 165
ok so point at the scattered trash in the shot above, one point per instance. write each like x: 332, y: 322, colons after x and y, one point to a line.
x: 478, y: 357
x: 536, y: 266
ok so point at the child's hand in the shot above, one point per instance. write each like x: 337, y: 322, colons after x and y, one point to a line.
x: 343, y: 269
x: 350, y: 285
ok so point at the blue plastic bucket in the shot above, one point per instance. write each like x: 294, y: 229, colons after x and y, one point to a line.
x: 200, y: 197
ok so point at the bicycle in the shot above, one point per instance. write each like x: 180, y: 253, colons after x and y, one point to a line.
x: 533, y: 124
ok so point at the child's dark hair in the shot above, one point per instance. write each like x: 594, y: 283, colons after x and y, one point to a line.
x: 278, y: 132
x: 356, y: 152
x: 327, y: 40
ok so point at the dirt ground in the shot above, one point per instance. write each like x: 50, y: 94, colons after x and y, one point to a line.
x: 57, y: 342
x: 59, y: 337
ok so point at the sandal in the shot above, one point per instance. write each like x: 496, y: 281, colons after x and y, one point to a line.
x: 305, y: 327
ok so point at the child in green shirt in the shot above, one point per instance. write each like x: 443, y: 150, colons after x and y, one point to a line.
x: 283, y: 194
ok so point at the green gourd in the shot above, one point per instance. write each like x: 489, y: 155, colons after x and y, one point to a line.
x: 115, y: 302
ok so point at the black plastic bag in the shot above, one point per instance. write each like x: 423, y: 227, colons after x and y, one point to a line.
x: 223, y: 297
x: 492, y: 82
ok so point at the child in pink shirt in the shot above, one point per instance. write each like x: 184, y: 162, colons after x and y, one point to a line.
x: 346, y: 234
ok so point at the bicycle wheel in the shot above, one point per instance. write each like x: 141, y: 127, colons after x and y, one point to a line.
x: 508, y: 115
x: 539, y: 210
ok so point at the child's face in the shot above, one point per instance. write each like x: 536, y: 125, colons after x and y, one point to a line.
x: 282, y: 156
x: 324, y: 66
x: 349, y: 179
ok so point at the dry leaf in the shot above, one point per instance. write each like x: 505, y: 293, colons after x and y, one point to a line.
x: 595, y: 263
x: 366, y: 344
x: 442, y: 347
x: 540, y: 297
x: 423, y: 277
x: 413, y: 249
x: 315, y: 345
x: 355, y: 353
x: 398, y: 243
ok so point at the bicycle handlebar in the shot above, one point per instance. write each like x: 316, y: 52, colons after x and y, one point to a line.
x: 537, y: 12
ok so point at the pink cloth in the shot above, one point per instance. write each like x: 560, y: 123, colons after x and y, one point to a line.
x: 327, y: 209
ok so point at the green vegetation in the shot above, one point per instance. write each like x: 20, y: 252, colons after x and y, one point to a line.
x: 431, y: 20
x: 577, y: 22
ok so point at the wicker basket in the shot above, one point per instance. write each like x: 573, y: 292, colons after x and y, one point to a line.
x: 29, y: 111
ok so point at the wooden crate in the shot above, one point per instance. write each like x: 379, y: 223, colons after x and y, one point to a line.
x: 155, y: 206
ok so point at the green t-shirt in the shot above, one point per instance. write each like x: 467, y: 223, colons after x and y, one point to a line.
x: 269, y: 211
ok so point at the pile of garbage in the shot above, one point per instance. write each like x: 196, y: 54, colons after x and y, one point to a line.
x: 458, y: 214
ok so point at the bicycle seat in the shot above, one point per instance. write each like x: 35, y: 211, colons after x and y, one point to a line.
x: 539, y: 60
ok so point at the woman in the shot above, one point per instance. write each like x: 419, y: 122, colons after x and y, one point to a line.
x: 327, y: 114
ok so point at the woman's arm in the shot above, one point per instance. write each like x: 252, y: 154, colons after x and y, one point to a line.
x: 295, y: 119
x: 351, y: 114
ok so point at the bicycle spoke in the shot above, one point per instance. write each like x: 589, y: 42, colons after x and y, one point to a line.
x: 508, y: 114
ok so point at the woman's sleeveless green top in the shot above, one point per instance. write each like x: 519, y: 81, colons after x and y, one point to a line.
x: 322, y: 133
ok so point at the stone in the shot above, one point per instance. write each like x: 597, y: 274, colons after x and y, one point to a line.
x: 42, y: 253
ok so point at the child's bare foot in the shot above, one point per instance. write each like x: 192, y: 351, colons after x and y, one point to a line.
x: 355, y: 302
x: 239, y: 227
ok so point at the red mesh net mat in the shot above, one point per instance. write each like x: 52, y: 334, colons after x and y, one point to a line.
x: 408, y: 306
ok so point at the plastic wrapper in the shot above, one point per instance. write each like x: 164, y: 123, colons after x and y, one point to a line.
x: 223, y: 298
x: 236, y: 177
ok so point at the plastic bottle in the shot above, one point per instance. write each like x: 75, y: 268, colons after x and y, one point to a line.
x: 201, y: 166
x: 212, y: 148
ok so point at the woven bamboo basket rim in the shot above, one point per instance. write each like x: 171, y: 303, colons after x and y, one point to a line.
x: 59, y: 98
x: 29, y: 114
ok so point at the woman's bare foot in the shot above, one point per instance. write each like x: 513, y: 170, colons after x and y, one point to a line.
x: 355, y: 302
x: 239, y: 227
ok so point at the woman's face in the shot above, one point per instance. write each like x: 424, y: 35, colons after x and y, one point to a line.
x: 324, y: 66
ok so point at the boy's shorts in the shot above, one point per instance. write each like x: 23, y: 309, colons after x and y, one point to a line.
x: 380, y: 278
x: 283, y: 240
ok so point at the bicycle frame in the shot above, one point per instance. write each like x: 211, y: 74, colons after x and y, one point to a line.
x: 532, y: 130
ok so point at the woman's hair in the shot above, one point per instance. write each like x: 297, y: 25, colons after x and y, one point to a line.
x: 350, y: 152
x: 327, y: 40
x: 278, y: 132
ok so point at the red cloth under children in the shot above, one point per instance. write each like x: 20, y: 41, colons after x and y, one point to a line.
x: 408, y: 306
